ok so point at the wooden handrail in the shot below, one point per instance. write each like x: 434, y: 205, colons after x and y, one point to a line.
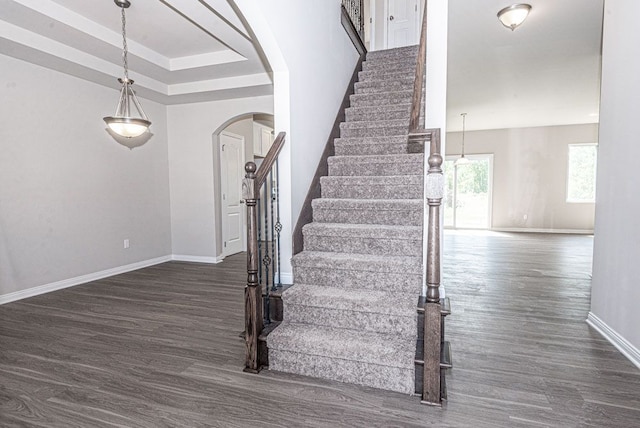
x: 254, y: 179
x: 269, y: 160
x: 418, y: 83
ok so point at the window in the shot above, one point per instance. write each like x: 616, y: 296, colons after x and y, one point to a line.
x: 467, y: 202
x: 581, y: 178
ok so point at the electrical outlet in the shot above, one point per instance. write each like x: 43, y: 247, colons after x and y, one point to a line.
x: 126, y: 243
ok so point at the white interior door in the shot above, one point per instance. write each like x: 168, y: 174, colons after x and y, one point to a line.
x: 231, y: 173
x: 402, y: 29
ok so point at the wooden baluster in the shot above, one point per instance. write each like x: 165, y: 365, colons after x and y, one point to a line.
x: 252, y: 292
x: 432, y: 312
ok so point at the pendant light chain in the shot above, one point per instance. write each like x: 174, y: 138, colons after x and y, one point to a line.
x: 125, y: 49
x: 123, y: 122
x: 464, y: 117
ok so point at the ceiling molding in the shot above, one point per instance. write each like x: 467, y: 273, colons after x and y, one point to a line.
x: 48, y: 34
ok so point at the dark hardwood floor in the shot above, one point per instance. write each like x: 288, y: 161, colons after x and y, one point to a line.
x: 160, y: 347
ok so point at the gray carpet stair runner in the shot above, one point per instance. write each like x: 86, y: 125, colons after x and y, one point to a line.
x: 351, y: 315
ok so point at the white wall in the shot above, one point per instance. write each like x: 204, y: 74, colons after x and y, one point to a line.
x: 192, y: 174
x: 312, y: 59
x: 616, y: 272
x: 69, y: 193
x: 530, y: 175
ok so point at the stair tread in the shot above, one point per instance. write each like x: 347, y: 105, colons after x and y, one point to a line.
x: 385, y: 75
x: 355, y: 261
x: 393, y: 123
x: 395, y: 158
x: 381, y: 231
x: 402, y: 92
x: 368, y: 347
x: 359, y: 204
x: 396, y: 139
x: 388, y: 302
x: 373, y: 179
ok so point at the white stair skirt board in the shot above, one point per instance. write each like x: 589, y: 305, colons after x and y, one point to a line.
x: 83, y: 279
x: 197, y: 259
x: 626, y: 348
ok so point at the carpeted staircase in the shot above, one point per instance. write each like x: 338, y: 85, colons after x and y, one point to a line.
x: 351, y: 315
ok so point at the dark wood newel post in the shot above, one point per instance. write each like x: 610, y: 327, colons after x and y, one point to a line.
x: 252, y: 292
x: 431, y: 392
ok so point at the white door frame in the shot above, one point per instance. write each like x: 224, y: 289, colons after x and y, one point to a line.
x: 243, y: 212
x: 384, y: 44
x: 372, y: 25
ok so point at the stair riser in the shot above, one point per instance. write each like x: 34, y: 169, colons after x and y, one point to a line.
x: 374, y: 132
x: 365, y: 321
x: 399, y: 66
x: 405, y: 52
x: 346, y: 149
x: 358, y: 279
x: 385, y: 76
x: 392, y: 218
x: 375, y: 246
x: 365, y: 115
x: 356, y: 168
x: 376, y: 376
x: 371, y: 100
x: 375, y: 191
x: 382, y: 87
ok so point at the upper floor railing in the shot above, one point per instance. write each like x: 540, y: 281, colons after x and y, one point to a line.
x: 352, y: 18
x: 355, y: 10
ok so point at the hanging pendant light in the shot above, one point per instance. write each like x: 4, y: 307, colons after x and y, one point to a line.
x: 514, y: 15
x: 462, y: 160
x: 122, y: 122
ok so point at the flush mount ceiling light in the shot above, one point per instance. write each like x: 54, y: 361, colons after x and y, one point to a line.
x: 514, y: 15
x: 122, y: 122
x: 462, y: 160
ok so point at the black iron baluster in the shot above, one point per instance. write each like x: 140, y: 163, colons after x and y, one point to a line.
x: 273, y: 239
x: 278, y: 226
x: 266, y: 260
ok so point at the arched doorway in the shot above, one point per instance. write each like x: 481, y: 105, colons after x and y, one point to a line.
x: 247, y: 128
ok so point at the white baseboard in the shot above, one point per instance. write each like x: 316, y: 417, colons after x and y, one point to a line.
x: 197, y: 259
x: 531, y: 230
x: 66, y: 283
x: 626, y: 348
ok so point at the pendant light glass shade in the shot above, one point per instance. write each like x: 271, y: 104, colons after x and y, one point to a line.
x: 122, y: 122
x: 513, y: 16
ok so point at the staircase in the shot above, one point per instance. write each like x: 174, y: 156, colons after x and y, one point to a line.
x: 351, y: 316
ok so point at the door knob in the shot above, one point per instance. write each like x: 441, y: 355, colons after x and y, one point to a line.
x: 391, y: 18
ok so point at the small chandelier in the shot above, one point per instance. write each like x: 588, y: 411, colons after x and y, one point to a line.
x: 462, y: 160
x: 122, y: 122
x: 514, y: 15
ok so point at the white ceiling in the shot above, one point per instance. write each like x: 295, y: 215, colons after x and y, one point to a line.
x: 179, y: 50
x: 546, y: 72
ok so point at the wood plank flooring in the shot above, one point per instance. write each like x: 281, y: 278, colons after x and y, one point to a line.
x: 160, y: 347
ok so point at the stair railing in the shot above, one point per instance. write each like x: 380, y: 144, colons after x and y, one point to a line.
x: 355, y: 11
x: 261, y: 195
x: 434, y: 189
